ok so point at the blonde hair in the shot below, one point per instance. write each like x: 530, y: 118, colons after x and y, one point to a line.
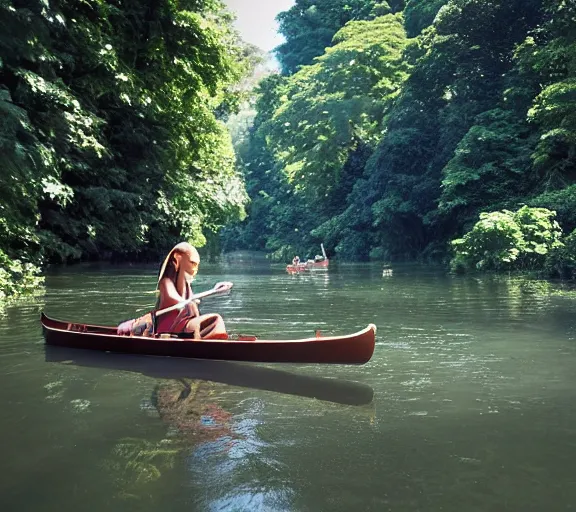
x: 169, y: 267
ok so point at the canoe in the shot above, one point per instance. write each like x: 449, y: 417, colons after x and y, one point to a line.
x: 309, y: 264
x: 356, y: 348
x: 319, y: 264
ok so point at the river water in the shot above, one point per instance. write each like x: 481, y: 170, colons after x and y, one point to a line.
x: 469, y: 403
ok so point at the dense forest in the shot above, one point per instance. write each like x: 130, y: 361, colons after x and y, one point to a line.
x: 424, y: 129
x: 401, y: 130
x: 112, y: 129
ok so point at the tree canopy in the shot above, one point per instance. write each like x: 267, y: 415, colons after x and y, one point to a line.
x: 309, y: 25
x: 392, y: 128
x: 111, y: 130
x: 403, y: 128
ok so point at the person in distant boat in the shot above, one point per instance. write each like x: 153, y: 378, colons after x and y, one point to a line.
x: 318, y: 258
x: 296, y: 261
x: 179, y: 268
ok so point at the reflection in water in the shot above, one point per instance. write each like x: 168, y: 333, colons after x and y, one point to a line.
x: 195, y: 402
x: 135, y: 463
x: 235, y: 374
x: 188, y: 407
x: 232, y: 473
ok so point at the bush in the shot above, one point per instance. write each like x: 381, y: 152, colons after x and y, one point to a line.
x: 563, y: 202
x: 17, y: 278
x: 506, y: 240
x: 561, y: 261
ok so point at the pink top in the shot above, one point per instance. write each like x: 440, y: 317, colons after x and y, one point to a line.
x: 165, y: 322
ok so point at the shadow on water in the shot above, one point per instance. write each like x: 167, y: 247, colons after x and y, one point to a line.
x: 234, y: 374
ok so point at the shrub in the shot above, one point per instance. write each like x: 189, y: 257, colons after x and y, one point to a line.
x: 561, y: 261
x: 17, y: 278
x: 506, y: 240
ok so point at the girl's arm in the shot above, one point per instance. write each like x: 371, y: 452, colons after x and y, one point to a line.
x: 169, y: 296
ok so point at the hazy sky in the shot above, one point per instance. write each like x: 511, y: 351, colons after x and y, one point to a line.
x: 255, y: 20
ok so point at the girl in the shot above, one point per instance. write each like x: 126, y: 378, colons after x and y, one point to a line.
x: 178, y: 269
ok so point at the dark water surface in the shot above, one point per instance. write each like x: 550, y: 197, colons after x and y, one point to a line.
x: 469, y: 403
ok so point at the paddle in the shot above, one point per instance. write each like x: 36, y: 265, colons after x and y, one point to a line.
x: 219, y: 288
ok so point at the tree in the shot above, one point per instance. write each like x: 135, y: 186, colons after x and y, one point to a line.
x: 338, y: 103
x: 460, y: 68
x: 123, y: 98
x: 491, y: 167
x: 549, y: 55
x: 309, y: 25
x: 419, y: 14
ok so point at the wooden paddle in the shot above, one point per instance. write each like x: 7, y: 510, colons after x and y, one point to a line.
x: 219, y: 288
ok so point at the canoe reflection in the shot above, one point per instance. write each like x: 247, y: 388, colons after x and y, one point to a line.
x: 248, y: 375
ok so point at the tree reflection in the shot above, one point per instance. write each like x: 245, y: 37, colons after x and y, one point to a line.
x: 187, y: 407
x: 136, y: 462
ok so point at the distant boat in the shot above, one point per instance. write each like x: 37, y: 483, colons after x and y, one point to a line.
x: 317, y: 262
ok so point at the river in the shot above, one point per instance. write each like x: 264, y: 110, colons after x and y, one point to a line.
x: 469, y: 402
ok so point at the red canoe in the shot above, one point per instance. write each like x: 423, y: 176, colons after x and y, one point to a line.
x: 356, y: 348
x: 309, y: 264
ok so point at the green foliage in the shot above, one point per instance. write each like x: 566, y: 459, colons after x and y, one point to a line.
x: 401, y: 151
x: 23, y: 180
x: 111, y: 125
x: 554, y: 111
x: 420, y: 14
x: 548, y: 55
x: 309, y: 25
x: 563, y: 202
x: 491, y: 166
x: 265, y: 186
x: 312, y: 136
x: 18, y: 278
x: 340, y: 100
x: 459, y: 70
x: 508, y: 240
x: 343, y: 97
x: 540, y: 231
x: 561, y: 261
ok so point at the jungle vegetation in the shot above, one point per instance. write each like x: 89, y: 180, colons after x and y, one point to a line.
x: 416, y: 123
x: 401, y: 130
x: 112, y: 129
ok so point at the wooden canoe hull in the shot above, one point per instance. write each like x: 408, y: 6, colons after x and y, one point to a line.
x: 356, y: 348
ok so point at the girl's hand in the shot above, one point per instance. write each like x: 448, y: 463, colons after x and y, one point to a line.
x: 223, y: 286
